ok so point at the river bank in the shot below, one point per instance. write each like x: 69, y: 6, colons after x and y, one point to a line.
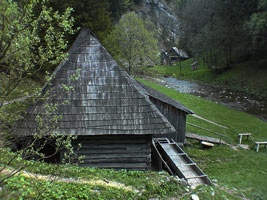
x: 243, y: 87
x: 247, y: 77
x: 251, y: 104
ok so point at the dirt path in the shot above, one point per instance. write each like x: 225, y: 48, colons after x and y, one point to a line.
x: 71, y: 180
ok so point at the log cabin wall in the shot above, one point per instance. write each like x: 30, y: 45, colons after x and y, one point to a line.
x: 176, y: 117
x: 132, y: 152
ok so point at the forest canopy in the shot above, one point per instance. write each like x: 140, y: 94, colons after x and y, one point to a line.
x: 234, y: 30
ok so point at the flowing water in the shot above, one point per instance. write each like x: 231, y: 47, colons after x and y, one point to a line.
x: 237, y: 100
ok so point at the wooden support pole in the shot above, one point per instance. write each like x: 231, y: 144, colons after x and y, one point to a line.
x: 205, y: 129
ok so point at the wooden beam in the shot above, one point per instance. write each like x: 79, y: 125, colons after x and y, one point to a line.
x: 205, y: 129
x: 209, y: 121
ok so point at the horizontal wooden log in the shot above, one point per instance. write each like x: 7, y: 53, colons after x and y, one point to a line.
x: 118, y: 152
x: 107, y: 149
x: 119, y: 165
x: 113, y: 137
x: 111, y: 145
x: 111, y: 151
x: 133, y: 141
x: 117, y: 160
x: 118, y: 155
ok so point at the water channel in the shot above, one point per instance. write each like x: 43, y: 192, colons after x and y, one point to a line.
x: 237, y: 100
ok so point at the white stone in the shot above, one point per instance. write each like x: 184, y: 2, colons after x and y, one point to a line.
x: 214, y: 180
x: 212, y: 192
x: 194, y: 197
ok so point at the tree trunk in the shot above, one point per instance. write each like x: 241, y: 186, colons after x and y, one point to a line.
x: 129, y: 68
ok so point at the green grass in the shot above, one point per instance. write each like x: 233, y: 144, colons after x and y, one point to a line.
x: 145, y: 184
x: 250, y: 77
x: 236, y: 121
x: 184, y: 73
x: 242, y: 170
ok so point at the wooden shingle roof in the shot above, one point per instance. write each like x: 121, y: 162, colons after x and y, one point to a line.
x: 164, y: 98
x: 102, y: 100
x: 180, y: 52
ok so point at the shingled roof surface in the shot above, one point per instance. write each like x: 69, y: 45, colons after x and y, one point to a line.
x: 103, y: 99
x: 180, y: 52
x: 164, y: 98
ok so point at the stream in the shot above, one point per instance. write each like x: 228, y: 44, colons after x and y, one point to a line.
x: 164, y: 19
x: 236, y: 100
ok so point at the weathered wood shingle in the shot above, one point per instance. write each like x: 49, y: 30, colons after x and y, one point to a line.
x: 164, y: 98
x: 174, y: 111
x: 102, y: 100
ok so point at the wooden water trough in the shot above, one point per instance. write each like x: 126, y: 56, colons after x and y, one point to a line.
x: 177, y: 162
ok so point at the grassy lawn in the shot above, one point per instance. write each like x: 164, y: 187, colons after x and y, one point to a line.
x: 101, y: 184
x: 243, y: 171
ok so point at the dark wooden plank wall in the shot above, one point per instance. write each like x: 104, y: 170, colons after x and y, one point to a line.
x: 175, y: 116
x: 131, y: 152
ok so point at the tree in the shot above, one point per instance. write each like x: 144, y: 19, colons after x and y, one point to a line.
x: 32, y: 36
x: 93, y: 14
x: 132, y: 42
x: 215, y: 27
x: 29, y: 41
x: 119, y: 7
x: 258, y: 26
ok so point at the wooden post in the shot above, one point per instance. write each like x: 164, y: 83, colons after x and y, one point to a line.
x: 240, y: 139
x: 243, y: 134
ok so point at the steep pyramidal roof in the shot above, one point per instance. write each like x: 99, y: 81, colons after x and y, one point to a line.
x: 102, y: 100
